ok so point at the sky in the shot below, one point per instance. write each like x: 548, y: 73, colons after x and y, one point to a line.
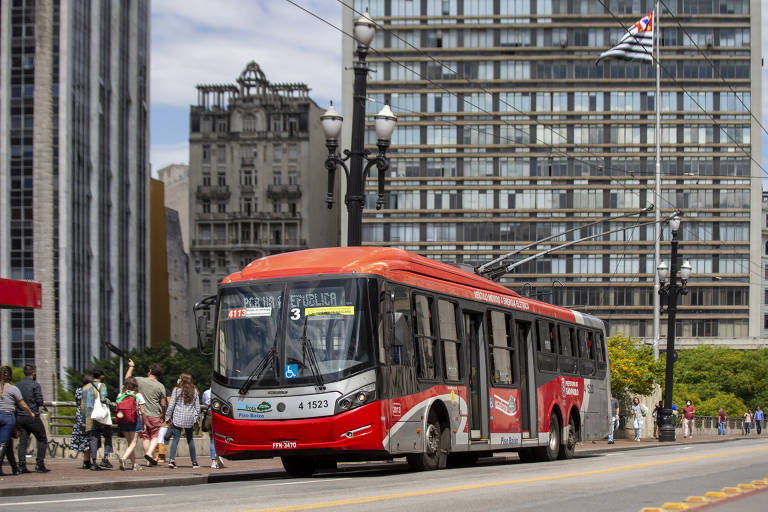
x: 202, y: 42
x: 198, y: 41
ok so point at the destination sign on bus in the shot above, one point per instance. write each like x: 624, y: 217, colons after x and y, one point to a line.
x: 321, y: 297
x: 512, y: 302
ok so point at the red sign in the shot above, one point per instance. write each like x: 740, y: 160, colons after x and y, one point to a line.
x: 20, y: 294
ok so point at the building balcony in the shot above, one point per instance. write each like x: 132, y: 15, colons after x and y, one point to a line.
x: 247, y: 189
x: 216, y: 192
x: 284, y: 191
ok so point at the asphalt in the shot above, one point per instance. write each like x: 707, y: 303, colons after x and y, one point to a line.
x: 67, y: 476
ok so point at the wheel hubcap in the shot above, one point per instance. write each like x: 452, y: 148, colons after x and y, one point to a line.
x: 433, y: 439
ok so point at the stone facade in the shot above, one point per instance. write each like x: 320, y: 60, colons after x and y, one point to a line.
x: 256, y: 176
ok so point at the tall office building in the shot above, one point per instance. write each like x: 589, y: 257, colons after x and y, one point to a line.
x: 508, y: 132
x: 256, y: 164
x: 74, y: 177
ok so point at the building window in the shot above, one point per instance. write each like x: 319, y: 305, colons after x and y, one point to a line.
x: 277, y: 153
x: 206, y: 206
x: 222, y: 206
x: 293, y: 178
x: 276, y: 207
x: 206, y: 153
x: 277, y: 178
x: 249, y: 123
x: 292, y: 208
x: 292, y: 152
x: 765, y: 322
x: 206, y: 180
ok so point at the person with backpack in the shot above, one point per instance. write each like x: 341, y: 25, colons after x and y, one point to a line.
x: 129, y: 414
x: 153, y: 392
x: 183, y: 413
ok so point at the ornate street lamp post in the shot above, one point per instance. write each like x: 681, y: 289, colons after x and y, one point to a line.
x: 672, y: 290
x: 385, y: 125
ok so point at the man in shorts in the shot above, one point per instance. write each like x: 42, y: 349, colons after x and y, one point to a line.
x: 153, y: 392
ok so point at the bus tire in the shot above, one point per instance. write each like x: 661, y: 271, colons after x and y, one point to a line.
x: 568, y: 445
x: 299, y: 467
x: 549, y: 452
x: 437, y: 444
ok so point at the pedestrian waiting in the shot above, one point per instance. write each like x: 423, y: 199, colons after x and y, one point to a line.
x: 183, y: 413
x: 217, y: 463
x: 688, y: 411
x: 759, y: 418
x: 129, y: 414
x: 98, y: 420
x: 31, y: 424
x: 638, y: 413
x: 721, y: 423
x: 10, y: 398
x: 747, y: 421
x: 153, y: 392
x: 79, y: 440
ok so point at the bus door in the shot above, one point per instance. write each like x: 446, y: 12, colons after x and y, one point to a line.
x: 528, y: 408
x: 479, y: 412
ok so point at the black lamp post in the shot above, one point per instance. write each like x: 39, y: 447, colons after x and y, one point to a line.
x: 672, y: 290
x: 385, y: 125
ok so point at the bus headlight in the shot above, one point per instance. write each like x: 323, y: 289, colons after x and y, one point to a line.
x: 362, y: 396
x: 220, y: 406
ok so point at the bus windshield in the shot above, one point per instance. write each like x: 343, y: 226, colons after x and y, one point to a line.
x: 325, y: 332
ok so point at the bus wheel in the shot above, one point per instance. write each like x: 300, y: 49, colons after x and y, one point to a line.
x: 437, y: 443
x: 299, y: 467
x: 568, y: 446
x: 549, y: 452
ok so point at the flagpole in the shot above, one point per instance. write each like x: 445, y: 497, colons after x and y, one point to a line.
x: 657, y: 200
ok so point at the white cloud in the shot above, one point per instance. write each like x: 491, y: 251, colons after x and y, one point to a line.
x: 196, y: 41
x: 161, y: 155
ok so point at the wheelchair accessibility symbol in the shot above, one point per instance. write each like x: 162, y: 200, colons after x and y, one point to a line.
x: 291, y: 371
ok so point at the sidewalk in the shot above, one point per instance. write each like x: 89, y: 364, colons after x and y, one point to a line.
x: 67, y: 476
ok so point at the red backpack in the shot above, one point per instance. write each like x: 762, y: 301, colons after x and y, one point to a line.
x: 126, y: 410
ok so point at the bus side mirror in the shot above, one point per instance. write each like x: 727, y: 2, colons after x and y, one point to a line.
x: 201, y: 311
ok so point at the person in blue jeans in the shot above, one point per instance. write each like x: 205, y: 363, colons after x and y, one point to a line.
x: 721, y: 423
x: 216, y: 462
x: 183, y: 413
x: 759, y: 418
x: 614, y: 419
x: 10, y: 398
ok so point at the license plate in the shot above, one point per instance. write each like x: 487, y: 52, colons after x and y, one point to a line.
x: 283, y: 445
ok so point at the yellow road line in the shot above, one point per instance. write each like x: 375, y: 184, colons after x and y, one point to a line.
x: 728, y: 493
x: 458, y: 488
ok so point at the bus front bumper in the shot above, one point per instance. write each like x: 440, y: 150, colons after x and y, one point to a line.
x: 358, y: 431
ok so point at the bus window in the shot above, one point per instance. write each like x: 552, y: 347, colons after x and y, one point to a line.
x: 402, y: 334
x: 446, y: 312
x: 565, y: 341
x: 586, y: 363
x: 426, y: 343
x: 500, y: 349
x: 599, y: 348
x: 546, y: 357
x: 574, y: 342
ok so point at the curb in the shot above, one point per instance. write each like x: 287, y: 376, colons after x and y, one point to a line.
x: 145, y: 483
x: 242, y: 476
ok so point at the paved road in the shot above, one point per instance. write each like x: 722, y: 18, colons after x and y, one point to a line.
x: 623, y: 480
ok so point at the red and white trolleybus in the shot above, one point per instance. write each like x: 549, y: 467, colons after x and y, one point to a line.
x: 373, y: 353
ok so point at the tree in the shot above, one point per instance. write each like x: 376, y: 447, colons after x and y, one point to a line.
x: 633, y: 370
x: 172, y: 357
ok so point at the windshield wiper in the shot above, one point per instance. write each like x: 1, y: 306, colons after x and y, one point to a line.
x: 271, y: 355
x: 310, y: 357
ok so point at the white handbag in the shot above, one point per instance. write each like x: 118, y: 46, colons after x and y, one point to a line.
x: 100, y: 411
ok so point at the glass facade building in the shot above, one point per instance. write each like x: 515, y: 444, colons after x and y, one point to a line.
x: 74, y: 177
x: 508, y: 132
